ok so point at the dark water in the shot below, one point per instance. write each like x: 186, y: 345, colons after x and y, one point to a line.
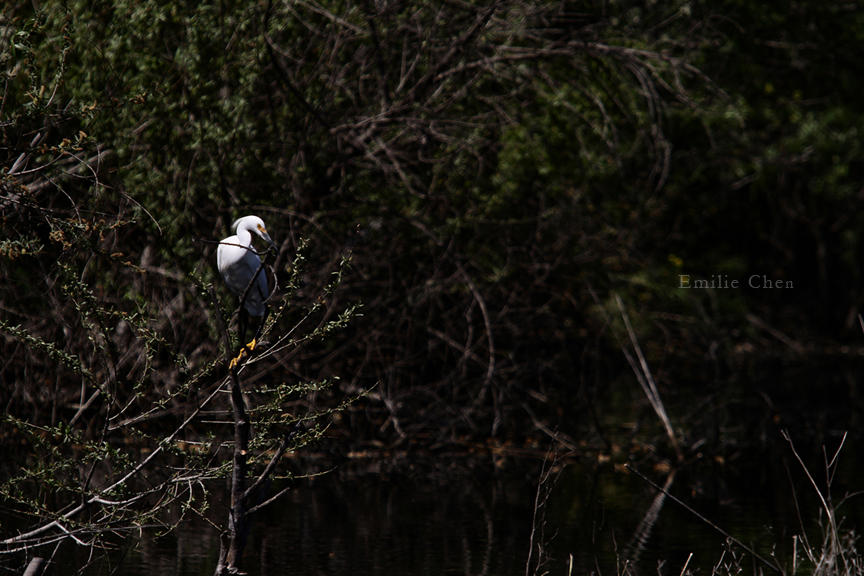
x: 481, y: 523
x: 350, y: 523
x: 453, y: 514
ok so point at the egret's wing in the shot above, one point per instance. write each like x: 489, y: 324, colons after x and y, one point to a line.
x: 246, y: 270
x: 261, y: 284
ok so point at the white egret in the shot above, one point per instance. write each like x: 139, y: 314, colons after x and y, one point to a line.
x: 241, y: 268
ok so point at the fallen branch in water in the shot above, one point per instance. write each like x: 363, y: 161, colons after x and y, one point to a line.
x: 646, y: 379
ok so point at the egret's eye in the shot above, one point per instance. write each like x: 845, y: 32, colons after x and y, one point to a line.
x: 262, y: 229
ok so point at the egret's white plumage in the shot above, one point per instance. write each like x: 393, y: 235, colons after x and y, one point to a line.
x: 239, y: 263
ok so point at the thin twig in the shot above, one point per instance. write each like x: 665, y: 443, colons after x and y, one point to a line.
x: 832, y: 545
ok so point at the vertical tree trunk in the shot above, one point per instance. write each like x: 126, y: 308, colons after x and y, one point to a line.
x: 233, y: 540
x: 237, y: 523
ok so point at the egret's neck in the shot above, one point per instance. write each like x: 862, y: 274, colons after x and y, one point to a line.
x: 244, y: 236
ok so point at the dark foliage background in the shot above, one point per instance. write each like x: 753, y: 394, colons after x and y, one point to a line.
x: 498, y: 170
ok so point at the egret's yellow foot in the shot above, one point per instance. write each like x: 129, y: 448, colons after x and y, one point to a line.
x: 236, y: 361
x: 243, y: 352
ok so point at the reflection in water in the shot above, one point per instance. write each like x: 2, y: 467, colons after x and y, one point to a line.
x: 476, y: 520
x: 342, y: 523
x: 442, y: 514
x: 363, y: 525
x: 643, y: 531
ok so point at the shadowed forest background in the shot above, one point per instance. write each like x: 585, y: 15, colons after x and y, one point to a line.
x: 500, y: 173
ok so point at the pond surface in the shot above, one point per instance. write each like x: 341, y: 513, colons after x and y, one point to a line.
x: 597, y: 517
x: 454, y: 513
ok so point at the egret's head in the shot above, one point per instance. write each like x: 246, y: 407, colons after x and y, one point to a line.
x: 252, y: 224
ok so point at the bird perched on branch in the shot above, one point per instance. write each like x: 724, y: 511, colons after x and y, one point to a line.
x: 246, y: 276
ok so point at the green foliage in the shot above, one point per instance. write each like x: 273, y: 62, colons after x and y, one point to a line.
x: 108, y: 315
